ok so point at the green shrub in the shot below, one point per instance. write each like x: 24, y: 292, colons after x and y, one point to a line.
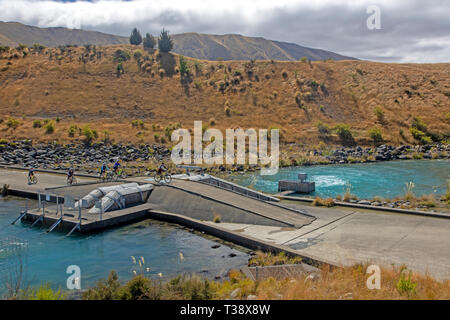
x: 44, y: 293
x: 38, y: 47
x: 49, y: 127
x: 323, y: 128
x: 121, y: 55
x: 72, y: 130
x: 405, y: 286
x: 344, y: 133
x: 184, y: 69
x: 380, y: 114
x: 418, y: 124
x: 137, y: 124
x: 12, y: 123
x: 190, y: 288
x: 89, y: 134
x: 37, y: 124
x: 105, y: 290
x: 136, y: 289
x: 376, y: 135
x: 420, y: 136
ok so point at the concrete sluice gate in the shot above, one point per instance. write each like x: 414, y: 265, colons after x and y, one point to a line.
x: 115, y: 197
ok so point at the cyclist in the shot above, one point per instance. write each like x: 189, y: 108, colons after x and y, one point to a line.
x: 162, y: 168
x: 116, y: 166
x: 70, y: 175
x: 31, y: 174
x: 103, y: 169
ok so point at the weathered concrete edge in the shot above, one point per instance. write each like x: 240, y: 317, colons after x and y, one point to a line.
x: 235, y: 237
x: 29, y: 194
x: 378, y: 208
x: 277, y: 204
x: 262, y: 194
x: 228, y: 204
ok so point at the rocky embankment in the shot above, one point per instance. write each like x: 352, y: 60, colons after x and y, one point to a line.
x: 59, y: 157
x: 385, y: 153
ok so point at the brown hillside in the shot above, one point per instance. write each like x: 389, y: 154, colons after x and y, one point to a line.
x: 292, y: 96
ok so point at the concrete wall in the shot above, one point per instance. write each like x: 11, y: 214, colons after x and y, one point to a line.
x: 238, y: 189
x: 236, y: 237
x: 201, y: 208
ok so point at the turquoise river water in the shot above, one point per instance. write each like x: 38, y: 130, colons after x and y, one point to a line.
x: 367, y: 180
x: 45, y: 257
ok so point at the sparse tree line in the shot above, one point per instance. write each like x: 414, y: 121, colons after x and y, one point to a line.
x: 165, y: 42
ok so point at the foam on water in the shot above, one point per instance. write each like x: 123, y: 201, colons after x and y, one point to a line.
x: 367, y: 180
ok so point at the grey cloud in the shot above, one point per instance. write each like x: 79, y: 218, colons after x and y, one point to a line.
x: 412, y: 31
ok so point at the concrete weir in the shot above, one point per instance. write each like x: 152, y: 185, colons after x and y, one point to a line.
x: 100, y: 206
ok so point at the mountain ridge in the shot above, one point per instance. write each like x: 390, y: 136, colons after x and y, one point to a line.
x: 196, y: 45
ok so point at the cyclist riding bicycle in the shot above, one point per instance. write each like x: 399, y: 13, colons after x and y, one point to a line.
x: 70, y: 174
x: 103, y: 169
x: 116, y: 166
x: 162, y: 168
x: 31, y: 173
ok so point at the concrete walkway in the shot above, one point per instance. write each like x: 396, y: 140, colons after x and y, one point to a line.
x: 345, y: 237
x: 17, y: 179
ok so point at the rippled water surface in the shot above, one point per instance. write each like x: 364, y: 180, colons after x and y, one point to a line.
x: 367, y: 180
x: 45, y: 257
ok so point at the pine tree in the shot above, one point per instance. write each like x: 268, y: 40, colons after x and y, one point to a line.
x: 135, y: 37
x: 165, y: 43
x: 149, y: 41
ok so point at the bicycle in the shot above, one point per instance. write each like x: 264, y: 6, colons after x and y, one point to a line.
x: 103, y: 176
x: 119, y: 174
x: 71, y: 180
x: 32, y: 179
x: 163, y: 176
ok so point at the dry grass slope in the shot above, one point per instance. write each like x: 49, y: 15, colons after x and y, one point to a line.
x: 76, y: 86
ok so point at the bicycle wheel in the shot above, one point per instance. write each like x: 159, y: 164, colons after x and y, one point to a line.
x: 34, y: 180
x: 167, y: 178
x: 157, y: 178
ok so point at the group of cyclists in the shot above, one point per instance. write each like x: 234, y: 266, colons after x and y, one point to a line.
x: 32, y: 179
x: 116, y: 170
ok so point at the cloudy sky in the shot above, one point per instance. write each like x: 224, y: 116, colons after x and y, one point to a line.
x: 411, y: 30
